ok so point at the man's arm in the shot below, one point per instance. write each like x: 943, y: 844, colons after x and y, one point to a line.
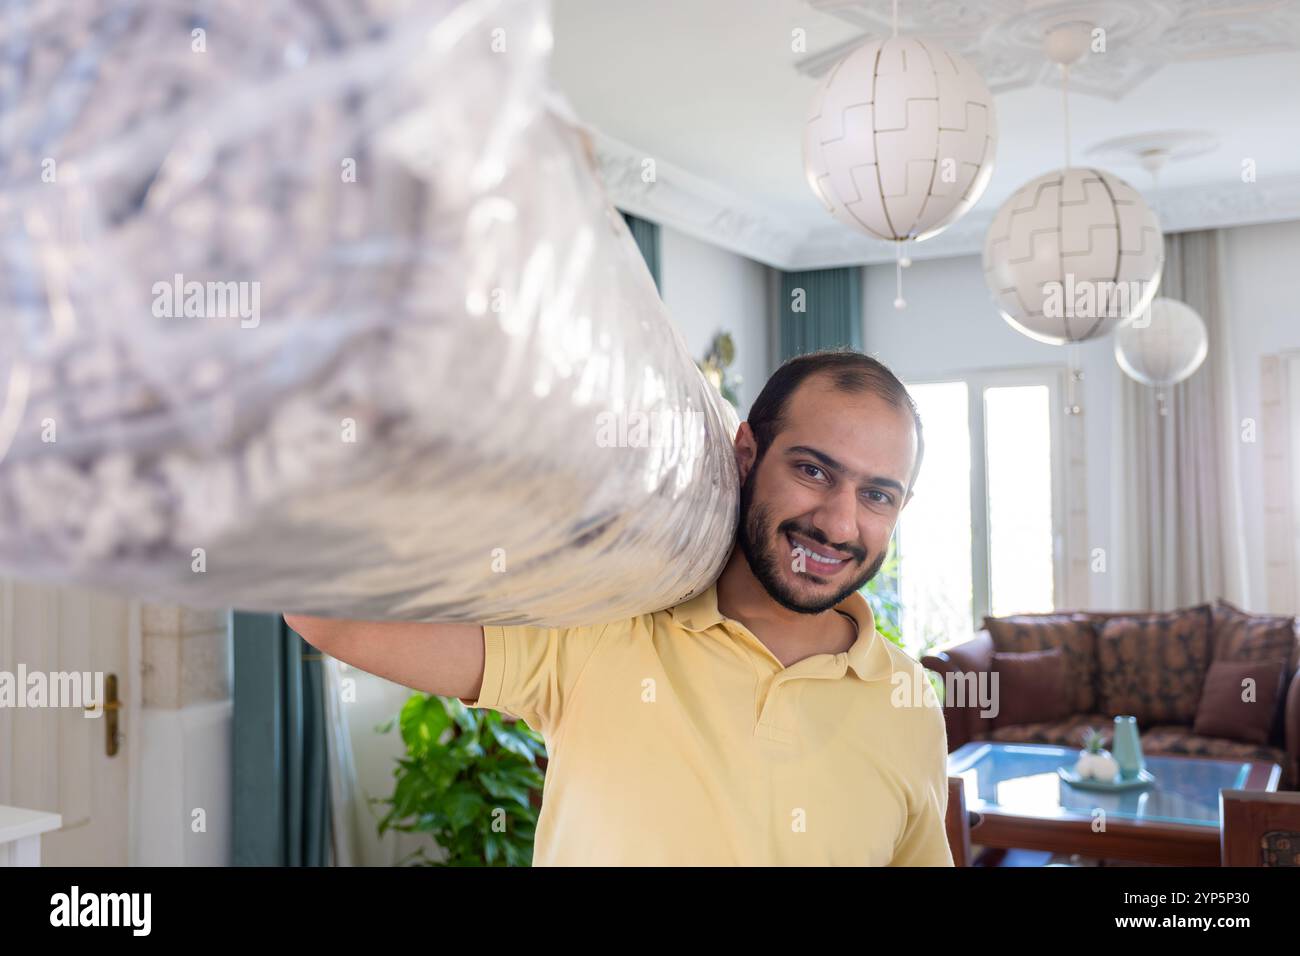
x: 925, y: 839
x: 441, y: 659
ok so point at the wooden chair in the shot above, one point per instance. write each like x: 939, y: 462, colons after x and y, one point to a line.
x: 959, y: 822
x: 1258, y: 829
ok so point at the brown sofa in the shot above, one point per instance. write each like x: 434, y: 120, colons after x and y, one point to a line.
x: 1151, y: 665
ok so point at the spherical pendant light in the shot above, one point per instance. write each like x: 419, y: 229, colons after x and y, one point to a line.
x: 1072, y: 255
x: 900, y: 139
x: 1166, y: 349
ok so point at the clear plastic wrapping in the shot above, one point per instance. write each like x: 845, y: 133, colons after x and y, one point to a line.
x: 320, y: 306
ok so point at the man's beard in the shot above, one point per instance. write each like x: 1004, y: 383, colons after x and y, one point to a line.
x: 755, y: 539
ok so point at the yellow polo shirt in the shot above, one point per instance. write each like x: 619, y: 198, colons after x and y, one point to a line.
x: 678, y: 738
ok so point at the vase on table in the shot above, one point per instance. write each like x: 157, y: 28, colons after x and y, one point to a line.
x: 1126, y: 747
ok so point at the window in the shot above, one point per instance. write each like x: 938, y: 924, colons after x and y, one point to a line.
x: 984, y: 532
x: 934, y: 530
x: 1018, y: 445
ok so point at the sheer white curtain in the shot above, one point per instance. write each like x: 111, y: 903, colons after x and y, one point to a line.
x: 1279, y: 387
x: 344, y: 830
x: 361, y: 763
x: 1176, y: 489
x: 1292, y: 482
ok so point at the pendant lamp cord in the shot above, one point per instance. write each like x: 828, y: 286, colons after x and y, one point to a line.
x: 1065, y: 108
x: 899, y: 301
x: 1073, y: 375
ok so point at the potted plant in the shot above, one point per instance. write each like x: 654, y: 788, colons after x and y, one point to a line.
x: 470, y: 778
x: 1095, y: 762
x: 715, y: 366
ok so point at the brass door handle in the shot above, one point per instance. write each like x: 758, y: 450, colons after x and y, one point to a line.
x: 110, y: 705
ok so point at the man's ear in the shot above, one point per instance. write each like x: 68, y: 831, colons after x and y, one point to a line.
x: 746, y: 449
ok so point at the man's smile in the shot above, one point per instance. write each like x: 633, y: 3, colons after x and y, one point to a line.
x: 818, y: 559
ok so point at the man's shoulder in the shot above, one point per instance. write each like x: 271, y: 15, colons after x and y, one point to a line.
x: 911, y: 682
x: 611, y: 630
x: 902, y: 661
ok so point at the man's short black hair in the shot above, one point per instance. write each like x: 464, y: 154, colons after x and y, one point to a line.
x: 848, y: 371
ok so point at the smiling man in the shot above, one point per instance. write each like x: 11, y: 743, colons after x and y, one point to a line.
x: 764, y: 721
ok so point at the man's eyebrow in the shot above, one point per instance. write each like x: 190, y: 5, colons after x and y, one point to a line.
x: 836, y: 467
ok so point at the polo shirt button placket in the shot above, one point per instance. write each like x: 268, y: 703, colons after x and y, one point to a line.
x: 765, y: 727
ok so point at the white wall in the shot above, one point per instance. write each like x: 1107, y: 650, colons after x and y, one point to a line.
x: 709, y: 290
x: 951, y: 325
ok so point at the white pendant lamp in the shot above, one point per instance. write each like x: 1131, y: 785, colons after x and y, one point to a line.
x: 1077, y: 252
x: 1073, y: 254
x: 1164, y: 346
x: 1168, y: 342
x: 900, y: 139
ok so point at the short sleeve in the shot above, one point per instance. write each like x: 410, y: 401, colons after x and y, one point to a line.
x: 925, y: 837
x: 530, y: 672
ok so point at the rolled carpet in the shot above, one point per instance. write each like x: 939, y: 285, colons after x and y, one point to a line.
x: 322, y: 308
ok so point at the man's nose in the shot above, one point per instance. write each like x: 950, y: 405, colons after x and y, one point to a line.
x: 837, y: 518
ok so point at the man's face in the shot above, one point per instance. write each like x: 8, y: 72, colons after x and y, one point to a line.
x: 832, y: 486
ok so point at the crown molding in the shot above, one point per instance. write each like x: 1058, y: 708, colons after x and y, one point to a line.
x: 692, y: 204
x: 714, y: 214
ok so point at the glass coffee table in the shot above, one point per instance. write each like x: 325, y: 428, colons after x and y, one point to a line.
x: 1023, y: 803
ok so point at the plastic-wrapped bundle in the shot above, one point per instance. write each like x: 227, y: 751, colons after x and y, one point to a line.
x: 319, y: 306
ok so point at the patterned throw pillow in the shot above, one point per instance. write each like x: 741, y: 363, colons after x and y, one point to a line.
x: 1072, y: 633
x: 1280, y: 848
x: 1153, y: 665
x: 1031, y: 687
x: 1226, y: 712
x: 1242, y: 636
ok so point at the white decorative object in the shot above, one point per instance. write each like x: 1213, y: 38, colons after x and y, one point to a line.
x: 900, y: 139
x: 1164, y: 345
x: 1097, y: 766
x: 1095, y: 762
x: 1073, y: 254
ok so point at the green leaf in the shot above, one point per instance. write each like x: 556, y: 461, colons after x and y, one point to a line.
x: 511, y: 740
x: 465, y: 717
x: 463, y: 805
x: 423, y: 719
x: 502, y: 787
x: 470, y: 749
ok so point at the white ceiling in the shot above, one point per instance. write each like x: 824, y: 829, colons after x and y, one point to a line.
x: 712, y: 90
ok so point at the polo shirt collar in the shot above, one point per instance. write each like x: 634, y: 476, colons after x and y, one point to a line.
x: 868, y: 658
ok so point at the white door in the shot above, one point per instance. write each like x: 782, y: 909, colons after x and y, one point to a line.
x: 54, y: 758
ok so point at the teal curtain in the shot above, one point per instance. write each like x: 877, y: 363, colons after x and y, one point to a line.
x: 281, y: 773
x: 646, y: 234
x: 820, y: 309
